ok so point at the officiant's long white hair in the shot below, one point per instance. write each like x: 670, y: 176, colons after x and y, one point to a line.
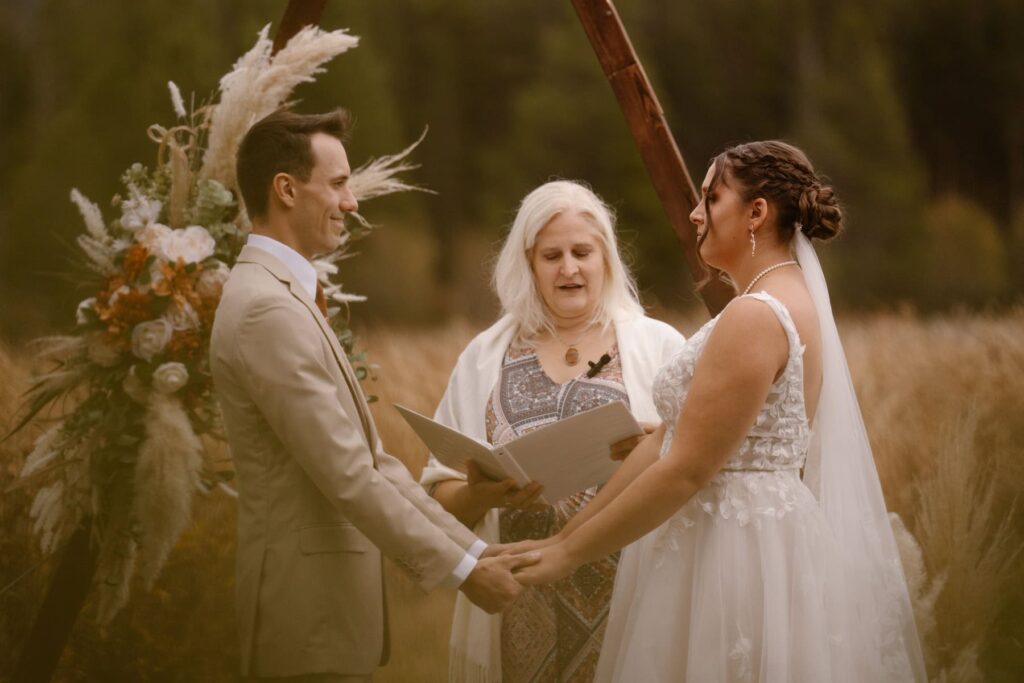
x: 513, y: 280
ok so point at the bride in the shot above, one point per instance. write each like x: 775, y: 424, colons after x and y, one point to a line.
x: 761, y: 549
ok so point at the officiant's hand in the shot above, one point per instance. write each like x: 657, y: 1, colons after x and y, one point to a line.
x: 470, y: 500
x: 490, y: 585
x: 555, y: 563
x: 485, y: 492
x: 621, y: 449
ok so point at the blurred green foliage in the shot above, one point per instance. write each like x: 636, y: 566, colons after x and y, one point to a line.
x: 914, y: 109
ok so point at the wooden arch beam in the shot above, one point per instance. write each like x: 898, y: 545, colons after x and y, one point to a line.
x: 651, y: 133
x: 297, y: 15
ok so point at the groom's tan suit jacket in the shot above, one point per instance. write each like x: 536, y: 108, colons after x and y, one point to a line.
x: 319, y: 499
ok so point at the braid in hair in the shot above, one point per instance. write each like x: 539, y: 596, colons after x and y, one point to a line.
x: 782, y: 174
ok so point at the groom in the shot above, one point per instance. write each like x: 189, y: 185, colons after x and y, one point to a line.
x: 319, y: 499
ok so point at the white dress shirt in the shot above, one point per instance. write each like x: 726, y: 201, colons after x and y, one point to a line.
x: 305, y: 273
x: 296, y: 263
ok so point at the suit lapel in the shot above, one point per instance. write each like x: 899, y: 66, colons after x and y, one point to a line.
x: 339, y: 356
x: 279, y: 271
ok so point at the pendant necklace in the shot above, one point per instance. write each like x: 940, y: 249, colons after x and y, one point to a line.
x: 572, y: 354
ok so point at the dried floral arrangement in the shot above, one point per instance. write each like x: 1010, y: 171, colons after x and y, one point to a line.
x: 127, y: 455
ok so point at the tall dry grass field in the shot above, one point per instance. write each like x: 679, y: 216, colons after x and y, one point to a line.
x: 944, y: 402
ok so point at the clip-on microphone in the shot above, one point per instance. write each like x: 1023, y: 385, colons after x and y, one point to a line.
x: 596, y: 367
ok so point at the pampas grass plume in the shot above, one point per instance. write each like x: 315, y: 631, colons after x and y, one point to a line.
x: 260, y: 83
x: 176, y: 101
x: 48, y: 513
x: 44, y: 452
x: 95, y: 244
x: 166, y: 475
x: 58, y: 347
x: 101, y: 255
x: 379, y: 177
x: 91, y: 216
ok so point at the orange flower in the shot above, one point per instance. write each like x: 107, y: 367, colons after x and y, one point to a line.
x: 177, y: 282
x: 134, y: 260
x: 206, y: 309
x: 134, y: 307
x: 113, y: 283
x: 186, y: 346
x: 128, y: 308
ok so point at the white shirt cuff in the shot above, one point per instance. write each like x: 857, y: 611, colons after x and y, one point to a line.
x: 477, y: 548
x: 461, y: 571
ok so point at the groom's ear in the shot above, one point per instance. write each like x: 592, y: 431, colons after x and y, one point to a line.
x: 282, y: 188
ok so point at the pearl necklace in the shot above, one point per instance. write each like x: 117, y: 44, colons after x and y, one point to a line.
x: 765, y: 272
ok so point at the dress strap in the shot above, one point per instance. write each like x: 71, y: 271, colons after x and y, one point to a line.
x: 785, y: 319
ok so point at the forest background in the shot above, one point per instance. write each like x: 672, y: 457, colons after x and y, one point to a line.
x: 915, y: 110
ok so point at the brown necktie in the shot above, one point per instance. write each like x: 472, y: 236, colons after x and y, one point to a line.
x: 321, y: 302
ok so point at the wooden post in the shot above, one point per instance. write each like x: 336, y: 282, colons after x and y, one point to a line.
x: 65, y: 596
x: 650, y: 130
x: 72, y: 580
x: 297, y: 15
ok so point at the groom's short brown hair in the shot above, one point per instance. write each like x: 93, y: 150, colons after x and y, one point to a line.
x: 279, y: 143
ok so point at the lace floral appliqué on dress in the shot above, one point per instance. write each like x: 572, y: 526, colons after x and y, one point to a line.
x: 739, y: 584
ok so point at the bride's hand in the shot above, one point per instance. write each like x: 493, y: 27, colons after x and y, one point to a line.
x: 555, y: 563
x: 520, y: 547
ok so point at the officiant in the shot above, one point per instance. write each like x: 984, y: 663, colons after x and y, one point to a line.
x: 572, y: 336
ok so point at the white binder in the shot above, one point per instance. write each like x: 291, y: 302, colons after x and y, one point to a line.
x: 566, y: 457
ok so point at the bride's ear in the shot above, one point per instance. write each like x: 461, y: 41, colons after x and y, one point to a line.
x: 758, y: 213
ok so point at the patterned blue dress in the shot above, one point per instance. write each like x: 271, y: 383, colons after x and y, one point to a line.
x: 551, y: 633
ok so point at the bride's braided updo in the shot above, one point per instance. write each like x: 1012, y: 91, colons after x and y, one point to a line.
x: 783, y: 175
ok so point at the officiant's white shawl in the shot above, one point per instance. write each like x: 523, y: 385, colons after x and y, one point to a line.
x: 644, y: 345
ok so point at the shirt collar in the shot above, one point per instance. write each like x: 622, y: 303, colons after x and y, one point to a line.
x: 301, y: 269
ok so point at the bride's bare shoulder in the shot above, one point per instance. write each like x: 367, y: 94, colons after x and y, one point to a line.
x: 749, y: 327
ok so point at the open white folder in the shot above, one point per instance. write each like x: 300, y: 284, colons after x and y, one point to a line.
x: 566, y: 457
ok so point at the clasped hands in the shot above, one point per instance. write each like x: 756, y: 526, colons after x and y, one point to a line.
x: 503, y: 570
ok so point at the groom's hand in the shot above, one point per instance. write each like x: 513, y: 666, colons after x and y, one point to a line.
x: 490, y: 585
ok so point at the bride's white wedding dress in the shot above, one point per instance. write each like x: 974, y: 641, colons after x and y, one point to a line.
x: 746, y: 581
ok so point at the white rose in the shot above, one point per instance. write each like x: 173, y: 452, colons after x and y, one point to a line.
x: 152, y: 235
x: 150, y: 338
x: 170, y: 377
x: 182, y: 316
x: 212, y: 279
x: 102, y: 352
x: 192, y: 244
x: 83, y: 306
x: 134, y: 386
x: 139, y: 211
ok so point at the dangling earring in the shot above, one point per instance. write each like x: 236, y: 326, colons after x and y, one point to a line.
x: 753, y: 242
